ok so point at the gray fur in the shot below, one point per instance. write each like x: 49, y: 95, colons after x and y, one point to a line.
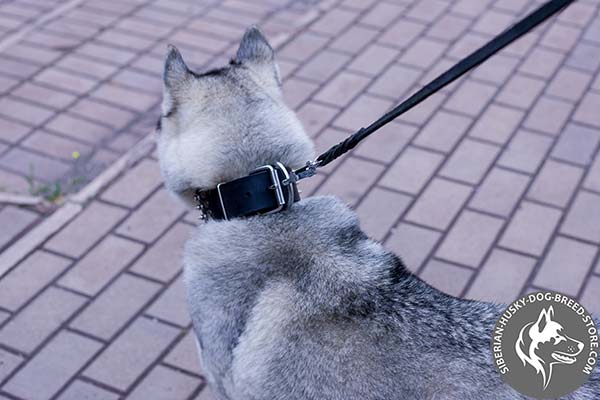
x: 302, y: 304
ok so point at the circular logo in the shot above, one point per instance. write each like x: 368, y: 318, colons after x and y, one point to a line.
x: 545, y: 345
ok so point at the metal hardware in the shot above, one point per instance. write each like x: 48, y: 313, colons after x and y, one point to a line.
x: 277, y: 184
x: 308, y: 170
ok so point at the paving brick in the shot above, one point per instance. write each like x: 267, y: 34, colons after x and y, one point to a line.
x: 66, y: 81
x: 113, y: 55
x: 560, y: 37
x: 128, y: 98
x: 42, y: 95
x: 443, y: 131
x: 79, y: 390
x: 380, y: 210
x: 427, y: 11
x: 13, y: 183
x: 131, y: 353
x: 161, y: 261
x: 361, y: 112
x: 43, y: 376
x: 382, y: 14
x: 8, y: 363
x: 79, y: 128
x: 7, y: 83
x: 85, y: 66
x: 449, y: 27
x: 303, y: 48
x: 542, y: 63
x: 14, y: 221
x: 206, y: 394
x: 592, y: 181
x: 396, y: 81
x: 502, y: 277
x: 185, y: 354
x: 114, y: 117
x: 150, y: 220
x: 465, y: 46
x: 548, y: 115
x: 500, y: 192
x: 33, y: 165
x: 352, y: 180
x: 577, y: 13
x: 354, y: 39
x: 342, y: 89
x: 34, y: 54
x: 412, y: 170
x: 470, y: 161
x: 492, y: 22
x: 582, y: 219
x: 577, y: 144
x: 422, y: 114
x: 334, y: 21
x: 86, y: 229
x: 423, y: 53
x: 521, y: 91
x: 566, y: 266
x: 531, y: 228
x: 412, y: 243
x: 323, y: 66
x: 587, y: 111
x: 296, y: 91
x: 55, y: 146
x: 446, y: 277
x: 171, y: 306
x: 29, y: 277
x: 526, y: 151
x: 470, y: 238
x: 427, y: 210
x: 40, y: 319
x: 18, y: 69
x: 364, y: 62
x: 23, y: 111
x: 569, y: 84
x: 101, y: 264
x: 591, y: 294
x: 556, y: 183
x: 165, y: 383
x: 102, y: 319
x: 402, y: 33
x: 471, y: 98
x: 584, y: 56
x: 135, y: 185
x: 315, y: 117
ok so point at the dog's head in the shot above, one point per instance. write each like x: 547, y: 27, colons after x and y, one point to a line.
x: 544, y: 343
x: 221, y: 124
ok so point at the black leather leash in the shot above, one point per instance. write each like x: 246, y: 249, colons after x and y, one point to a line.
x: 272, y: 188
x: 480, y: 55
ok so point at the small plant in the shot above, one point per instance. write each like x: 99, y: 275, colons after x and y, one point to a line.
x: 56, y: 191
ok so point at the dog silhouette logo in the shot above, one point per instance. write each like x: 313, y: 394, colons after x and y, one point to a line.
x: 545, y: 345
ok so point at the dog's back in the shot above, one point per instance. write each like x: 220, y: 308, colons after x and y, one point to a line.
x: 301, y: 304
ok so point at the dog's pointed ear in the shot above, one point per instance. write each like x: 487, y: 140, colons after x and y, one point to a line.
x: 256, y: 53
x: 544, y: 318
x: 176, y: 75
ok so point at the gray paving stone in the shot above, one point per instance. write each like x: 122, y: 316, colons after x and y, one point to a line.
x: 592, y: 181
x: 569, y: 84
x: 100, y: 265
x: 412, y: 170
x: 131, y: 353
x: 342, y: 89
x: 86, y: 229
x: 584, y: 56
x: 33, y: 165
x: 471, y: 97
x: 470, y: 161
x: 566, y: 266
x: 496, y: 124
x: 39, y: 319
x: 43, y: 376
x: 556, y: 183
x: 379, y: 211
x: 102, y: 319
x: 427, y: 210
x: 525, y: 151
x: 500, y: 192
x: 185, y: 354
x: 446, y: 277
x: 389, y: 141
x: 79, y: 390
x: 364, y: 109
x: 587, y: 111
x: 469, y: 240
x: 172, y: 305
x: 8, y: 363
x: 412, y: 243
x: 14, y: 221
x: 502, y: 277
x: 443, y: 131
x: 135, y: 185
x: 165, y: 383
x: 531, y: 228
x: 582, y: 219
x: 591, y: 295
x: 577, y: 144
x: 521, y: 91
x: 548, y: 116
x: 29, y: 277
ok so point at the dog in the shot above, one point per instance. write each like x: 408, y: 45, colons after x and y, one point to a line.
x: 302, y: 304
x: 543, y: 344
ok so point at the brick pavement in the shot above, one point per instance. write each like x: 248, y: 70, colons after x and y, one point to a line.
x: 487, y: 190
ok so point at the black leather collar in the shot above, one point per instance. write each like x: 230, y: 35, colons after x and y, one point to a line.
x: 267, y: 189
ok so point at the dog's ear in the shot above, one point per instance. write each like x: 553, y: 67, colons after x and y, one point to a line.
x: 256, y: 53
x: 176, y: 75
x: 544, y: 318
